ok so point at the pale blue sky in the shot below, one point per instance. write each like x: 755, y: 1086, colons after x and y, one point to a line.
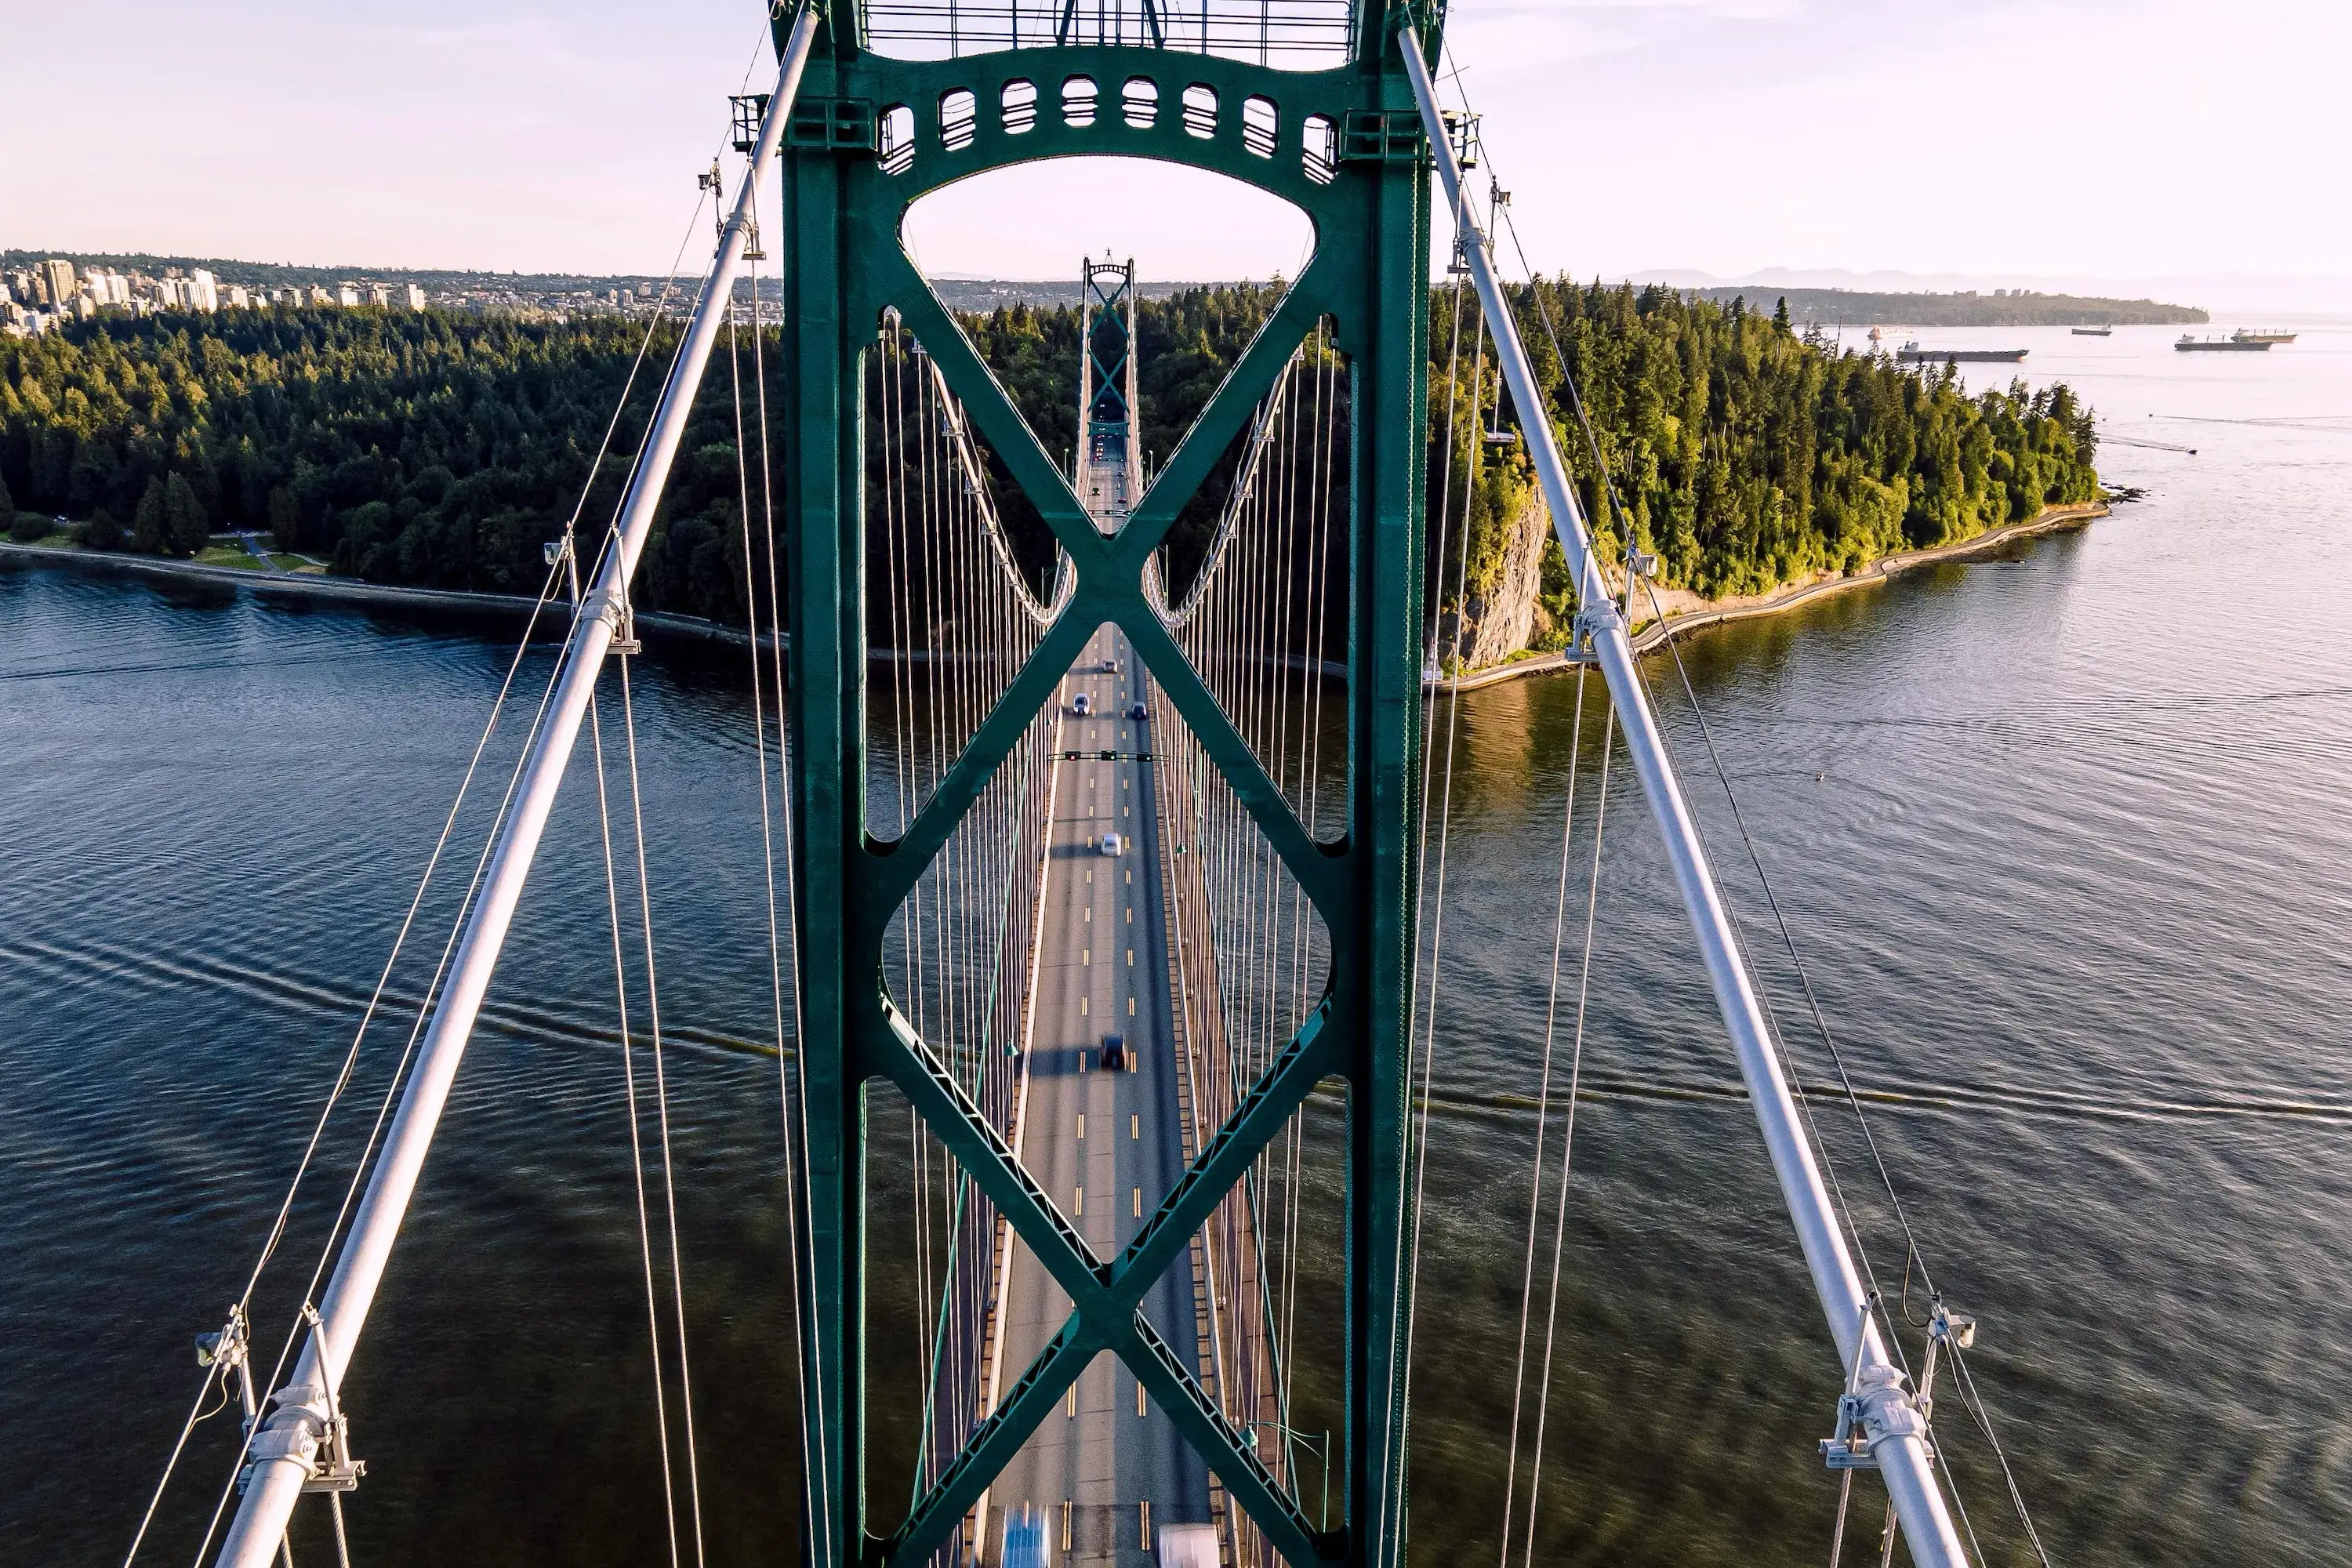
x: 2120, y: 139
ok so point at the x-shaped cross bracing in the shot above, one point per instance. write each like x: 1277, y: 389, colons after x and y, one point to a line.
x: 1104, y: 1296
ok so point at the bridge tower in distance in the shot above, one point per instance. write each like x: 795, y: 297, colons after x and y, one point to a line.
x: 1109, y: 476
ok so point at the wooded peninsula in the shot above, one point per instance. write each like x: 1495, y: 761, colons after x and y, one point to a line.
x: 443, y: 450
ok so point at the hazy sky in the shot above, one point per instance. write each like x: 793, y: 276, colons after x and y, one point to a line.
x: 2127, y: 139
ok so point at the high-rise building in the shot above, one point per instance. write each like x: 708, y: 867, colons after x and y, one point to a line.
x: 57, y: 277
x: 204, y: 291
x: 318, y: 294
x: 346, y: 295
x: 412, y: 297
x: 234, y: 297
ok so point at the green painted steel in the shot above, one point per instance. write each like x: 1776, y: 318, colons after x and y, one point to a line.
x: 844, y: 198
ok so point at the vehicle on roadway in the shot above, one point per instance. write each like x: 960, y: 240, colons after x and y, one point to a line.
x: 1082, y: 705
x: 1137, y: 713
x: 1113, y: 845
x: 1026, y: 1544
x: 1114, y: 1053
x: 1188, y: 1546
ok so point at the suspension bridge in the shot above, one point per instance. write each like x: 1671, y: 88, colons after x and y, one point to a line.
x: 1109, y: 844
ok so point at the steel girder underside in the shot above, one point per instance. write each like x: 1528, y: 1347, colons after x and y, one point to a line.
x: 843, y: 265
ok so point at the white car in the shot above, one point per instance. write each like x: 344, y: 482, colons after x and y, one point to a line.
x: 1113, y: 845
x: 1188, y: 1546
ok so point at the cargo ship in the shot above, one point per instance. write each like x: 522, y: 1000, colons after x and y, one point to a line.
x: 1912, y: 353
x: 2265, y: 338
x: 2094, y: 331
x: 2234, y: 344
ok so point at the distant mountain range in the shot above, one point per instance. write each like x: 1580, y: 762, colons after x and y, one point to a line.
x: 2225, y: 292
x: 2004, y: 308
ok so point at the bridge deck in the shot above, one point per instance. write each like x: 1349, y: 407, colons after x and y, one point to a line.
x: 1102, y: 970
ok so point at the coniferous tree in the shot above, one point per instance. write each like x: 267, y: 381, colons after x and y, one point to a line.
x: 150, y: 532
x: 184, y: 516
x: 285, y: 519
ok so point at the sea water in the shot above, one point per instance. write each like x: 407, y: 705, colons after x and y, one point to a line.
x: 2062, y: 839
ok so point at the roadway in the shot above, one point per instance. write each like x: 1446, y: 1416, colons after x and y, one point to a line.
x: 1104, y: 1145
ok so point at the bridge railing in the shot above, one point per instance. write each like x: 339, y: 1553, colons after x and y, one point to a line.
x: 1289, y: 34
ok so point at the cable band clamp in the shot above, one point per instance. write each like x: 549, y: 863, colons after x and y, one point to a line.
x: 1592, y: 623
x: 612, y: 607
x: 1879, y: 1409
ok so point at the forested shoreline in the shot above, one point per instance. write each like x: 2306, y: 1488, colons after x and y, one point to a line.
x: 1746, y: 455
x: 442, y: 450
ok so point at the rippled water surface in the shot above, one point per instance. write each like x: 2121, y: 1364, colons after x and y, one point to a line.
x: 2063, y: 836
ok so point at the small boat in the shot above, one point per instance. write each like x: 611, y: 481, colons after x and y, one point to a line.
x: 2243, y: 336
x: 2189, y: 345
x: 1912, y: 353
x: 2094, y: 331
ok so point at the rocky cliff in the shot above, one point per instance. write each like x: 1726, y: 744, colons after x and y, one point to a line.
x: 1509, y: 618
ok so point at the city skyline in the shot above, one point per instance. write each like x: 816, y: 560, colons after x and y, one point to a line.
x: 2064, y: 143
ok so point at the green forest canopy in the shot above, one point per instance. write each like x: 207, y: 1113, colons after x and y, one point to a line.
x: 443, y: 450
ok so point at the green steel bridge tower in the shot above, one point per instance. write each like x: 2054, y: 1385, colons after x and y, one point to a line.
x: 1107, y: 475
x: 869, y: 135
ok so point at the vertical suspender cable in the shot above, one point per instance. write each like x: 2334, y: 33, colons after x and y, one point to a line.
x: 1892, y: 1422
x: 290, y: 1439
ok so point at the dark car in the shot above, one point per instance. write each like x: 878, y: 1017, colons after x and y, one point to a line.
x: 1114, y: 1053
x: 1137, y: 713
